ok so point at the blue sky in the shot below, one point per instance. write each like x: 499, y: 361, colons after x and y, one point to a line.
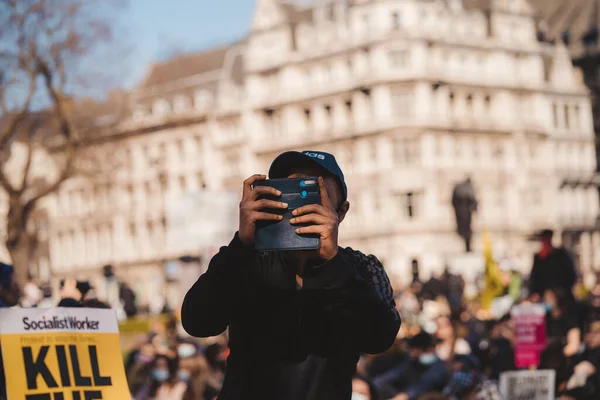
x: 156, y: 29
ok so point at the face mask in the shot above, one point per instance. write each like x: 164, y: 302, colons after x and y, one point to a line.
x: 359, y: 396
x: 186, y: 350
x: 427, y: 359
x: 184, y: 375
x: 160, y: 375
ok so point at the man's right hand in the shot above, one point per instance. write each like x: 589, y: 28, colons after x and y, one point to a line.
x: 251, y: 208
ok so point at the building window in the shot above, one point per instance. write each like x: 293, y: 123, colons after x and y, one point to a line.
x: 162, y: 151
x: 200, y: 180
x: 488, y: 102
x: 576, y: 116
x: 180, y: 147
x: 182, y: 183
x: 328, y: 110
x: 405, y: 151
x: 402, y: 102
x: 555, y: 114
x: 410, y: 206
x: 396, y: 20
x: 180, y: 104
x: 161, y: 107
x: 498, y: 151
x: 307, y: 116
x: 272, y: 122
x: 567, y: 122
x: 469, y: 102
x: 398, y: 58
x: 202, y: 99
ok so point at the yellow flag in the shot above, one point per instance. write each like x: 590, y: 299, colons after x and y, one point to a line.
x: 493, y: 281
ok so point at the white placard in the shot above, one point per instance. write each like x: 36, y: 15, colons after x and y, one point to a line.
x: 527, y: 385
x: 49, y: 320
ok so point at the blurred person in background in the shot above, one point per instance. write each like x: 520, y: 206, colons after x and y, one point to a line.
x: 422, y: 373
x: 448, y: 343
x: 193, y: 369
x: 499, y: 349
x: 217, y: 365
x: 32, y: 295
x: 465, y: 378
x: 553, y: 268
x: 561, y: 320
x: 409, y: 306
x: 9, y: 288
x: 9, y: 297
x: 138, y: 366
x: 553, y: 357
x: 297, y: 320
x: 163, y: 383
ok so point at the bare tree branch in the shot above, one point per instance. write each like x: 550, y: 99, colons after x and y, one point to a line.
x: 27, y: 167
x: 43, y: 62
x: 6, y: 185
x: 13, y: 125
x: 65, y: 173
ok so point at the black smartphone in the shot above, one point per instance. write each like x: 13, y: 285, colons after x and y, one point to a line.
x: 281, y: 235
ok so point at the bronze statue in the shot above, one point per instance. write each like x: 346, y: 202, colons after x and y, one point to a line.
x: 465, y: 204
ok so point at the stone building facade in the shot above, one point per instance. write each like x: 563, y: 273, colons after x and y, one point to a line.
x: 411, y: 96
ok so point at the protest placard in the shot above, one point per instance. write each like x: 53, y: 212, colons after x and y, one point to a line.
x: 527, y: 385
x: 530, y: 334
x: 62, y: 354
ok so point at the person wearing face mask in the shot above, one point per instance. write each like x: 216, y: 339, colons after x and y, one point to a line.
x: 163, y: 383
x: 138, y: 366
x: 423, y: 372
x: 193, y: 370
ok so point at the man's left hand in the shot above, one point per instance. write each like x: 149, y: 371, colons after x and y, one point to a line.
x: 401, y: 396
x: 324, y: 220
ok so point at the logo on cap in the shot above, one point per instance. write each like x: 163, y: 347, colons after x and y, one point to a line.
x: 314, y: 155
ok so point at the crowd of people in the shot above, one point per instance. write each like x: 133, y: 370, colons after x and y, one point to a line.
x: 448, y: 347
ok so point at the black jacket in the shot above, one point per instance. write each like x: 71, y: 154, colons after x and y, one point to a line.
x: 288, y: 343
x: 556, y: 270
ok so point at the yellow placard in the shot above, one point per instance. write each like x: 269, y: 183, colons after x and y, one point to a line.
x: 62, y: 354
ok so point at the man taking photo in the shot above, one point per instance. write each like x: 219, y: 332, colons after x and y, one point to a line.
x: 298, y: 320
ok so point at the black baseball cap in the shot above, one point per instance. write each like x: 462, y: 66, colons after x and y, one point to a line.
x: 286, y: 162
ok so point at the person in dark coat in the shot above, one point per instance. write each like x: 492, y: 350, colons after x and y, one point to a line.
x: 9, y: 297
x: 298, y: 320
x: 553, y: 268
x: 465, y: 204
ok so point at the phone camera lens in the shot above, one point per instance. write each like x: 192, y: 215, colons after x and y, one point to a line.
x: 304, y: 193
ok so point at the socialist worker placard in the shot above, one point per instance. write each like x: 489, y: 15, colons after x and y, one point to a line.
x: 62, y: 354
